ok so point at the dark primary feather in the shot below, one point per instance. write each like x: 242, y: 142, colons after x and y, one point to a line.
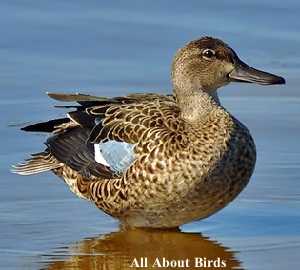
x: 82, y: 119
x: 48, y: 126
x: 73, y: 149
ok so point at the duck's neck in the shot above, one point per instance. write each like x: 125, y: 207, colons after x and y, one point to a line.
x: 196, y: 105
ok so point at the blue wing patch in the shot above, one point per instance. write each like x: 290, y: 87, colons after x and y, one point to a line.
x: 116, y: 155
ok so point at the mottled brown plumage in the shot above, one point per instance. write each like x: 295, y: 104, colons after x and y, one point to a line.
x: 191, y: 156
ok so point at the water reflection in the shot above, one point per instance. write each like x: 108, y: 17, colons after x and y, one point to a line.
x: 119, y: 250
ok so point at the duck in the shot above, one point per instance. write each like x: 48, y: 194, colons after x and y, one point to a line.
x: 156, y: 160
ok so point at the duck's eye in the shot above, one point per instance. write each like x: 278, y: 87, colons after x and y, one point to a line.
x: 208, y: 54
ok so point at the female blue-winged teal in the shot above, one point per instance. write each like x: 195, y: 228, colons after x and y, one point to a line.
x: 155, y: 160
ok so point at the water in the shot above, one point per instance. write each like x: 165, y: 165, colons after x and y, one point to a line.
x: 113, y: 48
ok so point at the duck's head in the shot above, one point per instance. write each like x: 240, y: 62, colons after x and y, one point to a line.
x: 208, y: 63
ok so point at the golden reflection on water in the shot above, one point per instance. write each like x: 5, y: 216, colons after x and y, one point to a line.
x: 119, y: 249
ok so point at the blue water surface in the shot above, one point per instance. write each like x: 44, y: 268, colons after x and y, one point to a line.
x: 113, y: 48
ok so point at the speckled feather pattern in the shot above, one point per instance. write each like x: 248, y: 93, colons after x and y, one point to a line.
x: 181, y: 172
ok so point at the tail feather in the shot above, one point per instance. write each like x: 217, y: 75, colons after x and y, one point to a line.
x: 39, y: 162
x: 48, y: 126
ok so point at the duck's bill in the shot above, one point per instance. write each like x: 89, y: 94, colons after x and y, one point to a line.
x: 244, y: 73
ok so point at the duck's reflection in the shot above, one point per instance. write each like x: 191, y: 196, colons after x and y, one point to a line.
x: 140, y: 249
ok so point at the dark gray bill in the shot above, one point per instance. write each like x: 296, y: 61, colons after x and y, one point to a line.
x: 244, y: 73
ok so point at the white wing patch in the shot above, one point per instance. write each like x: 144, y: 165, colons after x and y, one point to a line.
x: 98, y: 155
x: 116, y: 155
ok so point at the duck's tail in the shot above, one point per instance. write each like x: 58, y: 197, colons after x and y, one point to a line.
x: 39, y: 162
x: 43, y: 161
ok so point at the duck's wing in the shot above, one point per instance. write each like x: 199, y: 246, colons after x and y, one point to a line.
x: 68, y: 145
x: 112, y: 126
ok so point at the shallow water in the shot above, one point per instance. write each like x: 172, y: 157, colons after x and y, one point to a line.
x: 117, y: 48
